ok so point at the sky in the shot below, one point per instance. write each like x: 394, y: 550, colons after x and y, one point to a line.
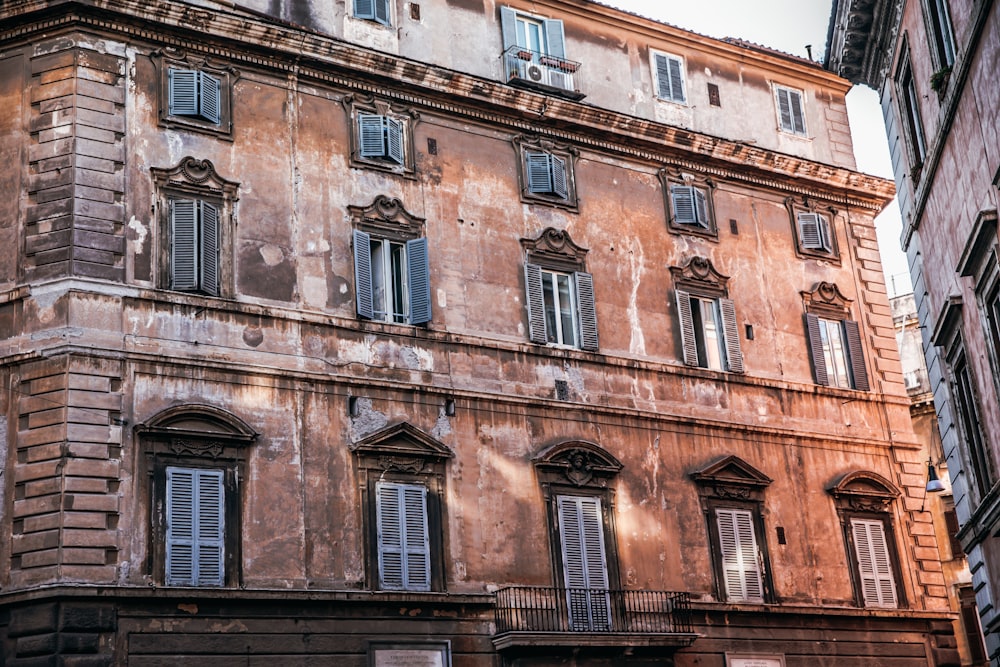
x: 789, y: 25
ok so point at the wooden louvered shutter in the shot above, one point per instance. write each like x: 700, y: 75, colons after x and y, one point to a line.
x: 210, y: 250
x: 676, y: 80
x: 798, y: 125
x: 508, y: 27
x: 825, y: 233
x: 663, y: 87
x: 535, y: 300
x: 859, y: 374
x: 363, y: 294
x: 382, y: 11
x: 559, y: 187
x: 585, y: 572
x: 371, y: 129
x: 416, y: 541
x: 878, y: 585
x: 182, y: 92
x: 418, y: 280
x: 211, y: 97
x: 689, y: 343
x: 403, y: 540
x: 809, y: 231
x: 682, y: 198
x: 539, y: 173
x: 785, y: 110
x: 364, y: 9
x: 741, y: 571
x: 555, y: 42
x: 701, y: 208
x: 195, y: 528
x: 389, y: 515
x: 734, y: 354
x: 394, y: 139
x: 586, y: 310
x: 816, y: 350
x: 183, y: 244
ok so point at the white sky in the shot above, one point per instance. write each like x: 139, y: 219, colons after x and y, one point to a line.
x: 789, y: 25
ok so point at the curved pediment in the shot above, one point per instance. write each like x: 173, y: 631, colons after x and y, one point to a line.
x: 863, y: 491
x: 197, y: 420
x: 192, y: 173
x: 577, y: 462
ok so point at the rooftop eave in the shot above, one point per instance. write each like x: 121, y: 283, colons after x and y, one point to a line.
x: 861, y: 39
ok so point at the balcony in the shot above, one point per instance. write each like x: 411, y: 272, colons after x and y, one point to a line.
x: 553, y: 618
x: 541, y: 72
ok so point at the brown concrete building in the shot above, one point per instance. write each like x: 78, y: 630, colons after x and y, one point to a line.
x: 444, y: 333
x: 934, y: 64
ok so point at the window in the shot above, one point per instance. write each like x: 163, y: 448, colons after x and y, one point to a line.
x: 909, y: 111
x: 707, y: 319
x: 814, y: 232
x: 970, y: 424
x: 194, y: 456
x: 689, y: 205
x: 546, y: 174
x: 535, y: 54
x: 391, y: 264
x: 196, y: 225
x: 834, y: 340
x: 971, y: 626
x: 560, y: 300
x: 864, y: 501
x: 732, y: 495
x: 812, y: 229
x: 575, y: 478
x: 195, y: 94
x: 669, y: 72
x: 404, y: 550
x: 546, y: 171
x: 373, y: 10
x: 791, y: 117
x: 689, y: 202
x: 381, y: 134
x: 402, y: 482
x: 939, y: 32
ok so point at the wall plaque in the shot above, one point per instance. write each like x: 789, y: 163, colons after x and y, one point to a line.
x: 396, y: 654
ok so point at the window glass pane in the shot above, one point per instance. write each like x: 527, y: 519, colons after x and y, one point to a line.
x: 378, y: 279
x: 398, y: 273
x: 566, y: 311
x: 530, y: 35
x: 713, y: 337
x: 560, y: 310
x: 834, y: 353
x: 551, y: 307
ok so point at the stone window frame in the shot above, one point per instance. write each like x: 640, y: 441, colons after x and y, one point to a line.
x: 806, y: 205
x: 192, y: 178
x: 699, y: 279
x: 403, y: 454
x: 172, y: 58
x: 825, y: 301
x: 732, y: 483
x: 654, y: 55
x: 194, y: 436
x: 868, y: 496
x: 533, y: 144
x: 673, y: 176
x: 791, y: 131
x: 357, y: 104
x: 908, y: 106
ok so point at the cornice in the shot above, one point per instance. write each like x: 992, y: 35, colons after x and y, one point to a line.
x: 256, y: 40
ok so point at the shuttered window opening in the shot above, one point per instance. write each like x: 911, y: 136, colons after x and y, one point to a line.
x: 194, y: 93
x: 540, y: 36
x: 690, y: 206
x: 194, y: 246
x: 709, y: 333
x: 373, y: 10
x: 790, y: 110
x: 814, y: 232
x: 404, y: 554
x: 741, y: 568
x: 381, y: 137
x: 392, y: 279
x: 878, y: 584
x: 561, y: 308
x: 837, y: 355
x: 195, y: 527
x: 669, y: 78
x: 585, y: 570
x: 546, y: 174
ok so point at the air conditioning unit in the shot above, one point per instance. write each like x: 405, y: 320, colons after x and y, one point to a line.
x: 536, y: 74
x: 559, y: 79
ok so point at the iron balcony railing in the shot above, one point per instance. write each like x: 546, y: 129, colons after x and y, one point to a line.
x: 521, y: 64
x: 537, y: 609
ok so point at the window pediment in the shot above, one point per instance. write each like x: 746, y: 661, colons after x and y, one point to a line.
x: 982, y: 238
x: 863, y: 491
x: 578, y: 463
x: 194, y: 175
x: 731, y: 477
x: 401, y: 447
x: 555, y: 249
x: 699, y: 276
x: 386, y: 216
x: 826, y: 299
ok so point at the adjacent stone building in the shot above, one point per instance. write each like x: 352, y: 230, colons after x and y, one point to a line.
x: 934, y: 64
x: 444, y: 333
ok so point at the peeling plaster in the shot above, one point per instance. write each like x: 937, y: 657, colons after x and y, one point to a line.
x: 637, y: 342
x: 368, y: 420
x: 141, y: 231
x: 272, y: 254
x: 442, y: 428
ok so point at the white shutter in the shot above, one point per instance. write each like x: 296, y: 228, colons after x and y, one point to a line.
x: 741, y: 572
x: 363, y: 295
x: 535, y: 300
x: 585, y: 572
x: 731, y: 332
x: 195, y: 527
x: 182, y: 92
x: 689, y: 343
x: 183, y: 244
x: 669, y: 78
x: 555, y: 42
x: 403, y: 539
x: 809, y: 231
x: 878, y: 585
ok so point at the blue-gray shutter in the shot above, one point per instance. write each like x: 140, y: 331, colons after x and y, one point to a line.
x: 816, y: 350
x: 508, y: 27
x: 857, y: 356
x: 682, y: 199
x: 382, y: 11
x: 419, y: 280
x: 183, y: 244
x: 701, y: 208
x: 734, y: 355
x: 364, y: 9
x: 586, y: 310
x: 663, y: 88
x: 809, y: 231
x: 559, y: 187
x: 539, y: 173
x: 585, y: 572
x: 182, y: 92
x: 403, y: 540
x: 416, y: 542
x: 676, y: 80
x: 795, y: 108
x: 363, y: 294
x: 394, y: 140
x: 195, y: 548
x: 371, y: 131
x: 389, y: 514
x: 535, y: 300
x: 211, y: 97
x: 878, y: 583
x: 689, y: 343
x: 209, y: 249
x: 785, y: 110
x: 555, y: 42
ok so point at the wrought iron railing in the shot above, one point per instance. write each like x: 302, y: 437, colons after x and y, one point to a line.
x: 537, y: 609
x: 534, y: 67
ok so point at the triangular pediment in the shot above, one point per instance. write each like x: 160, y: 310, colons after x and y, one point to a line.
x: 402, y: 440
x: 731, y: 470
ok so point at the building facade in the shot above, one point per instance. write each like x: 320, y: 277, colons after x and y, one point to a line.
x: 932, y: 63
x: 444, y: 333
